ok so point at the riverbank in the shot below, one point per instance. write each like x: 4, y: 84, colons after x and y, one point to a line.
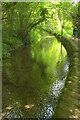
x: 68, y: 104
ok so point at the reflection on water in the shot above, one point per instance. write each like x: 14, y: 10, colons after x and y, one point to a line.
x: 33, y: 78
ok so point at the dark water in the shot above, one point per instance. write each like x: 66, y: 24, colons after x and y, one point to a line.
x: 33, y: 78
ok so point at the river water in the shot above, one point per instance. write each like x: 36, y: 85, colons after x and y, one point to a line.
x: 33, y: 79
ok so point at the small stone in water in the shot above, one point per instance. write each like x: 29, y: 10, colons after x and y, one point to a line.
x: 70, y: 110
x: 44, y: 99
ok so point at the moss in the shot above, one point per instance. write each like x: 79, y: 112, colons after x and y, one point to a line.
x: 68, y: 100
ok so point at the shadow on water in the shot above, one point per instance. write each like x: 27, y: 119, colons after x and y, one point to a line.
x: 33, y: 78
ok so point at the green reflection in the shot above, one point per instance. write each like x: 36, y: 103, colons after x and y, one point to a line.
x: 48, y: 54
x: 28, y: 77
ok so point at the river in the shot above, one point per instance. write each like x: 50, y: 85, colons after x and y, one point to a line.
x: 33, y: 79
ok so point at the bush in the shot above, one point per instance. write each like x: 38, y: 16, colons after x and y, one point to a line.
x: 5, y: 53
x: 9, y: 45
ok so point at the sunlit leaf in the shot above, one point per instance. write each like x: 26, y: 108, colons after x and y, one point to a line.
x: 9, y: 108
x: 69, y: 82
x: 17, y: 102
x: 3, y: 114
x: 29, y: 106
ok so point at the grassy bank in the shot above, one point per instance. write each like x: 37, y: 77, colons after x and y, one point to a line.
x: 68, y: 101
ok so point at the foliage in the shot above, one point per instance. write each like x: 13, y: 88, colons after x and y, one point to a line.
x: 22, y: 23
x: 4, y: 51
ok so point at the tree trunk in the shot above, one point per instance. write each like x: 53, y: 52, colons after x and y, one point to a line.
x: 61, y: 37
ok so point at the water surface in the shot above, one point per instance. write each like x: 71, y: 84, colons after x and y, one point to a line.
x: 33, y: 78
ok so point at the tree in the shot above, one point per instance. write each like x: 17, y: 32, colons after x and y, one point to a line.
x: 79, y: 19
x: 22, y: 17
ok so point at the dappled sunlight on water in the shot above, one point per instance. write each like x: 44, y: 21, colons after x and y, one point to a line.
x: 33, y: 79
